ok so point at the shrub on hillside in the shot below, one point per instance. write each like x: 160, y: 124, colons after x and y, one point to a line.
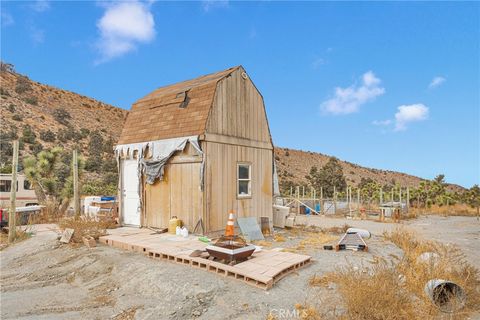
x: 36, y: 147
x: 28, y: 136
x: 23, y: 85
x: 4, y: 92
x: 17, y: 117
x: 47, y: 136
x: 62, y: 116
x: 31, y: 100
x: 11, y: 107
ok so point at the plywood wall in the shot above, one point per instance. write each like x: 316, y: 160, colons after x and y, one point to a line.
x: 179, y: 193
x: 221, y: 183
x: 238, y: 110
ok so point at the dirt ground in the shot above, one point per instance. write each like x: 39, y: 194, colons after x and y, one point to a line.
x: 42, y: 279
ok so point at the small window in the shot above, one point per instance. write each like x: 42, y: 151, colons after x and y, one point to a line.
x: 6, y: 185
x: 244, y: 174
x: 27, y: 185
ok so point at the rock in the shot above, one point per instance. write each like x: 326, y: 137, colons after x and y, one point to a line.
x: 196, y: 313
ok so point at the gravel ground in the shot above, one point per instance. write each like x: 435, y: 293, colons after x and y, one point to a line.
x: 42, y: 279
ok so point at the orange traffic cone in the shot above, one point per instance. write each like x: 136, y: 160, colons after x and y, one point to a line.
x: 230, y: 229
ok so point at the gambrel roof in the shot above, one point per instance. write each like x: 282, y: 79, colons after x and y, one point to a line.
x: 177, y: 110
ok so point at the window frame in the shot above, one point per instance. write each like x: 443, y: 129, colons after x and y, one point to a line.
x: 250, y: 179
x: 10, y: 181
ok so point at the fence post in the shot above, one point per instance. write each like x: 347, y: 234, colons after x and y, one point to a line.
x: 322, y: 209
x: 408, y: 198
x: 334, y: 200
x: 76, y: 194
x: 12, y: 216
x: 358, y: 201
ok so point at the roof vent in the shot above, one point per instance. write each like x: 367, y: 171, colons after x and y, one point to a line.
x: 185, y: 97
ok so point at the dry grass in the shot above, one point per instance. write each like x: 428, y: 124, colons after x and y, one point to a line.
x: 22, y: 233
x: 453, y: 210
x: 312, y: 241
x: 395, y: 289
x: 84, y: 226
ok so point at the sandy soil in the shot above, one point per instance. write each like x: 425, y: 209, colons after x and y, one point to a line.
x: 42, y: 279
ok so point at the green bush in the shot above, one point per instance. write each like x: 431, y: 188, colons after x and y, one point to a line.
x: 99, y: 187
x: 11, y: 108
x: 17, y: 117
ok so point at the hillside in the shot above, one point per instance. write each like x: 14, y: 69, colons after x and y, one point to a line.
x: 294, y: 165
x: 43, y: 116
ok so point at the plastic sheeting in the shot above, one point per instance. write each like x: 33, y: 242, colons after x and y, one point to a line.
x: 162, y: 151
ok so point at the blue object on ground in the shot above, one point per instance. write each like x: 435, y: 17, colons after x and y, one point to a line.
x: 107, y: 198
x: 317, y: 207
x: 307, y: 210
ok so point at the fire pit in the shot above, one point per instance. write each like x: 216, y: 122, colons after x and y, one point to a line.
x: 231, y: 248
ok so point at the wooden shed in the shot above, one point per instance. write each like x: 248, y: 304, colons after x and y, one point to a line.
x: 195, y: 150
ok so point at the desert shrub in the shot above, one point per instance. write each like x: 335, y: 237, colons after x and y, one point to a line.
x: 6, y: 67
x: 11, y: 108
x: 36, y: 147
x: 17, y: 117
x: 84, y: 226
x: 28, y: 136
x: 47, y: 136
x: 62, y: 116
x: 23, y: 85
x: 99, y: 187
x: 84, y: 132
x: 31, y: 100
x: 68, y: 134
x: 4, y: 92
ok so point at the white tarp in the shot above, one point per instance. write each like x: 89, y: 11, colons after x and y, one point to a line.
x: 161, y: 151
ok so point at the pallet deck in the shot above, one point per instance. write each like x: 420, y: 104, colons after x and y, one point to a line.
x: 263, y: 270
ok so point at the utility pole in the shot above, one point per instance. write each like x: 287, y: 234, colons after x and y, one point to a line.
x: 322, y: 210
x: 334, y: 200
x: 12, y: 223
x: 76, y: 195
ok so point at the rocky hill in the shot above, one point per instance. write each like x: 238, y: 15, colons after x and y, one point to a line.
x: 43, y: 116
x: 294, y: 165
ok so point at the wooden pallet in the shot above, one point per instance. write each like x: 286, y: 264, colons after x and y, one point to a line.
x: 263, y: 270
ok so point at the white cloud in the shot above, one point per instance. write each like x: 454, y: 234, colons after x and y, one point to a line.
x: 7, y: 19
x: 436, y: 82
x: 123, y: 26
x: 383, y: 123
x: 410, y: 113
x: 37, y: 35
x: 348, y: 100
x: 40, y: 5
x: 208, y: 5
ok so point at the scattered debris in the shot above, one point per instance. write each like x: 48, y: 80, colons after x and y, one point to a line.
x: 365, y: 234
x: 250, y: 229
x: 67, y: 235
x: 351, y: 241
x: 89, y: 241
x: 446, y: 295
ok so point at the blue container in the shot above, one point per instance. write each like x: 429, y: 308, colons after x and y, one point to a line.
x: 317, y: 207
x: 307, y: 210
x: 107, y: 198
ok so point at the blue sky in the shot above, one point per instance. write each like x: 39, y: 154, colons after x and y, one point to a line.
x: 390, y: 85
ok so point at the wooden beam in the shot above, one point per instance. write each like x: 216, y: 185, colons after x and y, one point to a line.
x: 219, y: 138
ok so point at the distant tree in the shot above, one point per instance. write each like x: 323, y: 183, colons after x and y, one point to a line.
x: 51, y: 178
x: 7, y: 67
x: 329, y: 176
x: 472, y: 198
